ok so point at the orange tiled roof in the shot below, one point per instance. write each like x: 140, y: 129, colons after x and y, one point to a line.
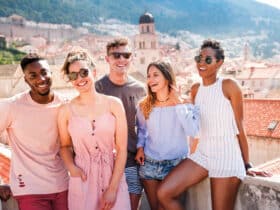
x: 4, y: 163
x: 258, y: 114
x: 265, y: 73
x: 259, y: 73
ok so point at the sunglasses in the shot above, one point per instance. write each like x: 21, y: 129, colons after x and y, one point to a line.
x: 72, y: 76
x: 117, y: 55
x: 208, y: 60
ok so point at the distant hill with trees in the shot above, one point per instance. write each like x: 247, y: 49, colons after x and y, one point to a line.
x: 10, y: 56
x: 199, y: 16
x: 204, y: 17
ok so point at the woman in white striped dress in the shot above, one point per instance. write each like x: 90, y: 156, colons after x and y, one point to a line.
x: 222, y: 152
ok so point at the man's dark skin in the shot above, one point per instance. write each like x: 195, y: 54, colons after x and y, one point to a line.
x: 5, y: 192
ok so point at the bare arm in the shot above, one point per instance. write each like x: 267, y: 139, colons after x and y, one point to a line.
x: 194, y: 90
x: 117, y: 109
x: 233, y: 93
x: 141, y: 136
x: 5, y: 119
x: 120, y: 141
x: 66, y: 149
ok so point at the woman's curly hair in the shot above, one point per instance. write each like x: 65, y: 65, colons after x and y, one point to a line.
x: 215, y: 45
x: 78, y: 54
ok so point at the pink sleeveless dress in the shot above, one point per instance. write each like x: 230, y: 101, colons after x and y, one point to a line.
x: 94, y: 145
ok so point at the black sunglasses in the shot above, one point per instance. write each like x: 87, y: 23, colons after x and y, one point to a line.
x: 208, y: 60
x: 72, y: 76
x: 117, y: 55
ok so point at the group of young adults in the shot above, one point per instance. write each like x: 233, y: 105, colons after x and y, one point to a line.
x: 101, y: 148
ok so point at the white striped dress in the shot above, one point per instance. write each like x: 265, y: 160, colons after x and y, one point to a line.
x: 218, y: 150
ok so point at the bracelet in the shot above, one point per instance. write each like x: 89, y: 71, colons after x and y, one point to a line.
x: 248, y: 166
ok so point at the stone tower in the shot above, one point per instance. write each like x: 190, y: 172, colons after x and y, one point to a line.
x: 146, y: 43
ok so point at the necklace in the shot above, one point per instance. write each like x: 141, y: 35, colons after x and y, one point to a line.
x: 163, y: 100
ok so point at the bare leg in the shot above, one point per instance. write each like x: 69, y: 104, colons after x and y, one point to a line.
x: 151, y: 187
x: 134, y: 200
x: 183, y: 176
x: 223, y: 192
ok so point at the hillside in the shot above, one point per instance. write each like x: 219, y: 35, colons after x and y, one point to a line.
x: 222, y: 18
x: 200, y: 16
x: 10, y: 56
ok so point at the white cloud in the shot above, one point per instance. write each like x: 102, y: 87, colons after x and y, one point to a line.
x: 274, y: 3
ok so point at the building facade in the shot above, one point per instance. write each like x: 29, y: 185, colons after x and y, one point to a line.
x: 146, y: 49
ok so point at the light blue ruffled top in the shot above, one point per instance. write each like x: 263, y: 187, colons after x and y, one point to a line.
x: 164, y: 134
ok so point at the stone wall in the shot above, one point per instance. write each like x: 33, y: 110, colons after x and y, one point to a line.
x: 25, y: 32
x: 263, y: 149
x: 255, y: 193
x: 259, y: 194
x: 11, y: 204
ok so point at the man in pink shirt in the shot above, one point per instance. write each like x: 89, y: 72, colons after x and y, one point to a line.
x: 39, y: 180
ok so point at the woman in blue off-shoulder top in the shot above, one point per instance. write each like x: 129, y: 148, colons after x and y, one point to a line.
x: 164, y: 121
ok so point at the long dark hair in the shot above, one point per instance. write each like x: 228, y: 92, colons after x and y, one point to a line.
x: 148, y: 102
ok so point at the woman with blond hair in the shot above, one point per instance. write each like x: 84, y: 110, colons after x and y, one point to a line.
x: 164, y: 121
x: 94, y: 127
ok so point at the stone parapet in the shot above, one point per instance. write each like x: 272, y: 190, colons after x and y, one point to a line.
x: 255, y: 193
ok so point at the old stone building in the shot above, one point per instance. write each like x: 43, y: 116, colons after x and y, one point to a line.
x: 262, y: 124
x: 16, y: 26
x: 146, y: 47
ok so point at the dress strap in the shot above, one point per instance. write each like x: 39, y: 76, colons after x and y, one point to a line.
x: 70, y: 107
x: 109, y: 109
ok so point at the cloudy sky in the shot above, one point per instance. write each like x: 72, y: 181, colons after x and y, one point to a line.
x: 275, y: 3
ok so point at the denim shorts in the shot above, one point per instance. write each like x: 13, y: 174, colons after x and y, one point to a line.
x: 133, y: 180
x: 157, y: 169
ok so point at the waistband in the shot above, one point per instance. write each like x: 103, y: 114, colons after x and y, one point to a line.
x: 151, y: 160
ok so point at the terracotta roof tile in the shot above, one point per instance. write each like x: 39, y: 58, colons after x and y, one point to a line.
x: 258, y: 114
x: 4, y: 163
x: 259, y: 73
x: 268, y: 73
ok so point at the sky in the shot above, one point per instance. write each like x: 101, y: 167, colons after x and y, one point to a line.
x: 274, y: 3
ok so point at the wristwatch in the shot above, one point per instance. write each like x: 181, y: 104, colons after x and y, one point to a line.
x: 248, y: 166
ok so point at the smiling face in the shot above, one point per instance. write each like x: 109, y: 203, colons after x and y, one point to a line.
x: 38, y: 76
x: 83, y: 82
x: 207, y: 69
x: 119, y: 65
x: 156, y: 80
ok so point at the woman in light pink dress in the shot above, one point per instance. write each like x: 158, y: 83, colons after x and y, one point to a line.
x: 94, y: 127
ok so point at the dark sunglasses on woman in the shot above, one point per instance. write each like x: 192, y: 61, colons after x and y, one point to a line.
x: 72, y: 76
x: 117, y: 55
x: 208, y: 60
